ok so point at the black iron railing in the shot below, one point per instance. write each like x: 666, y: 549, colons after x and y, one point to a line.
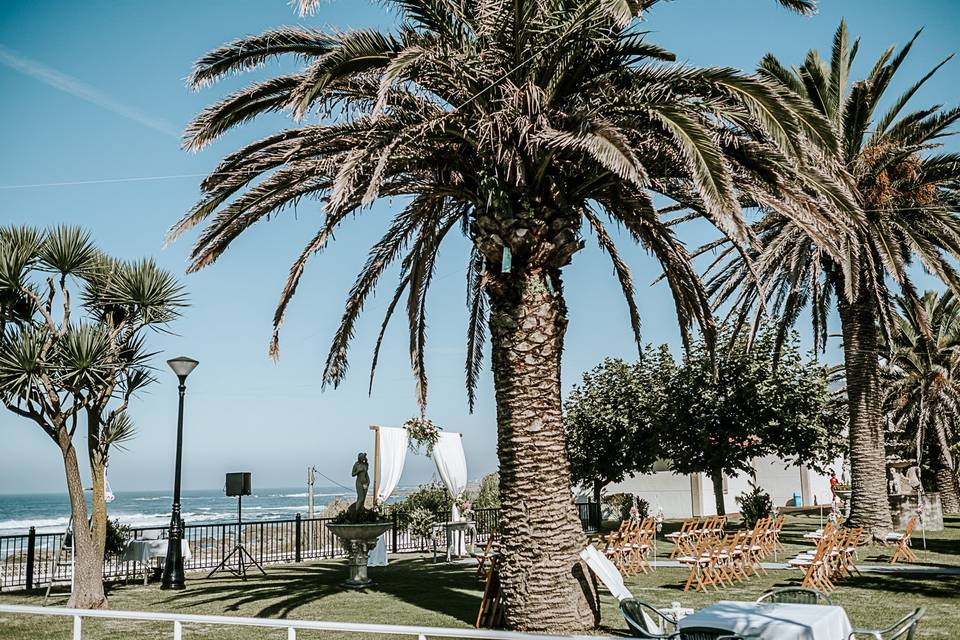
x: 28, y: 561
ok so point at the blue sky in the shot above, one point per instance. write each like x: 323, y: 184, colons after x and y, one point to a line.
x: 95, y: 91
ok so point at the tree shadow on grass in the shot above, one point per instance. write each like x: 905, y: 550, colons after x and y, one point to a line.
x: 927, y: 586
x: 443, y: 588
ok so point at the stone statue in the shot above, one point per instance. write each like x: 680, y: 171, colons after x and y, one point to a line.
x: 363, y: 480
x: 912, y: 477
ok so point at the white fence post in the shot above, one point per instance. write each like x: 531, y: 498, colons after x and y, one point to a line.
x: 77, y: 628
x: 177, y: 630
x: 291, y: 633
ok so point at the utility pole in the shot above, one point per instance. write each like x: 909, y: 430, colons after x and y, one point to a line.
x: 310, y: 471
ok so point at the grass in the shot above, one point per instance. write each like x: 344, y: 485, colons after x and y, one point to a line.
x: 414, y: 591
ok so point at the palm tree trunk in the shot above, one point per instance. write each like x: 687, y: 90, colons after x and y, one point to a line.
x: 545, y: 585
x: 88, y: 557
x: 870, y: 506
x: 944, y: 474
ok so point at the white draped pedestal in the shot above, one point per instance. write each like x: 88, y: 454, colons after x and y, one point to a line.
x: 452, y: 467
x: 393, y: 454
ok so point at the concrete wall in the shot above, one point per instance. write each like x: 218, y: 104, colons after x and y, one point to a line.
x: 684, y: 496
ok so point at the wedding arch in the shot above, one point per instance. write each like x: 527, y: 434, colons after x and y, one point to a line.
x: 389, y: 456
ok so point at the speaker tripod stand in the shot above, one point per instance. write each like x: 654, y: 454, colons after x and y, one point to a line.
x: 243, y: 557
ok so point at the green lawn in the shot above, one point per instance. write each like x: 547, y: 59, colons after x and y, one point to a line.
x: 412, y: 590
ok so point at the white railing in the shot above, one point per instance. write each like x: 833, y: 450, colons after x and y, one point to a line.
x: 292, y: 626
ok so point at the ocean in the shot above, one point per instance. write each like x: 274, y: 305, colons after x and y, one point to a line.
x: 50, y: 512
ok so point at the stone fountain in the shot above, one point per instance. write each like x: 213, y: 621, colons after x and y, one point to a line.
x: 360, y: 528
x: 907, y: 497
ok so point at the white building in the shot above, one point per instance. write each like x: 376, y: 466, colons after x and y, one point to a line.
x: 682, y: 496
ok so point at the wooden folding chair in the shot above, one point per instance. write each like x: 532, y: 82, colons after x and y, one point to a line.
x: 902, y: 541
x: 681, y: 538
x: 814, y: 566
x: 699, y: 562
x: 849, y: 553
x: 775, y: 531
x: 489, y: 553
x: 752, y: 549
x: 614, y: 549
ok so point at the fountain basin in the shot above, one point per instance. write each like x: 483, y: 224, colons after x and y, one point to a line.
x: 358, y: 540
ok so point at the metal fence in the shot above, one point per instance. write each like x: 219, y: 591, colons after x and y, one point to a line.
x: 28, y: 561
x: 589, y: 513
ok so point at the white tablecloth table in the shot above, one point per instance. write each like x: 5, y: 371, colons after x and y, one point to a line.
x: 456, y: 537
x: 146, y: 551
x: 773, y: 621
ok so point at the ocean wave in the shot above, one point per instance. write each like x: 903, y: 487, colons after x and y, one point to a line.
x: 42, y: 524
x: 153, y: 499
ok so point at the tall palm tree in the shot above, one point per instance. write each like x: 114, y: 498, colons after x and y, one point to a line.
x: 908, y: 194
x: 516, y: 123
x: 923, y: 387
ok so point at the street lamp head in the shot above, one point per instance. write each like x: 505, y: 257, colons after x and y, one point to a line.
x: 182, y: 366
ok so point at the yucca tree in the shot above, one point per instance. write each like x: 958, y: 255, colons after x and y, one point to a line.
x: 908, y: 195
x: 515, y: 123
x: 922, y: 386
x: 73, y: 350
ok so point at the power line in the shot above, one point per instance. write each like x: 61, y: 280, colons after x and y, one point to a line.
x: 321, y: 473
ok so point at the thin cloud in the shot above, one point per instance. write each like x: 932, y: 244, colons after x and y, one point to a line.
x: 52, y: 77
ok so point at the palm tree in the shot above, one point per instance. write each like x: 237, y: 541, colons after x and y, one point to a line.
x: 72, y: 354
x: 908, y: 195
x: 516, y: 123
x: 922, y: 395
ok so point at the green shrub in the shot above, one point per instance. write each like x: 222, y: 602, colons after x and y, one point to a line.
x: 420, y: 522
x: 116, y: 540
x: 623, y: 503
x: 754, y: 505
x: 432, y: 497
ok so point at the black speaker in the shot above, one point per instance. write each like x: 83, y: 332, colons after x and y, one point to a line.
x: 238, y: 484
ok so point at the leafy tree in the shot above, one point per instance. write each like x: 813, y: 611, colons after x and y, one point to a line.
x: 610, y: 421
x: 488, y: 495
x: 516, y: 123
x: 907, y: 193
x: 922, y: 390
x: 73, y: 346
x: 727, y: 408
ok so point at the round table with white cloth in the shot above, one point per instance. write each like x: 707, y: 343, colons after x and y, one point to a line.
x: 146, y: 551
x: 772, y: 621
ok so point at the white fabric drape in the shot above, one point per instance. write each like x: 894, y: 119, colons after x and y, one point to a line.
x: 452, y: 467
x: 393, y: 454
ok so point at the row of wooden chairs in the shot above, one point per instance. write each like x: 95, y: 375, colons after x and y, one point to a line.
x: 734, y: 557
x: 693, y: 532
x: 834, y: 557
x: 630, y: 546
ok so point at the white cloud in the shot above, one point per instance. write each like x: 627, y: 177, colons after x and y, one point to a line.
x: 52, y: 77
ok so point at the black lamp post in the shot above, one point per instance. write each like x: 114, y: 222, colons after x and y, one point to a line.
x: 173, y: 565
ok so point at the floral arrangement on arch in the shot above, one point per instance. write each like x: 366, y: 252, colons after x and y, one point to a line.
x: 422, y: 433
